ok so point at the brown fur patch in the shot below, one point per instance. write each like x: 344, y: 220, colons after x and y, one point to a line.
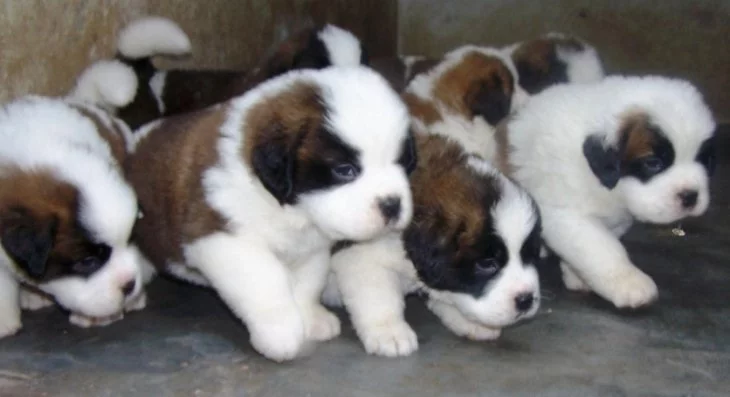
x: 457, y: 87
x: 503, y: 148
x: 448, y: 195
x: 39, y: 202
x: 114, y: 136
x: 166, y: 172
x: 537, y: 62
x: 421, y: 109
x: 636, y: 139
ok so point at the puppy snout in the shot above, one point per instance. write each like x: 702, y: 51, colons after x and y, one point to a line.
x: 128, y: 288
x: 524, y: 302
x: 688, y: 198
x: 390, y: 207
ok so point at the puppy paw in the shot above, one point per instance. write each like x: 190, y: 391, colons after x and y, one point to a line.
x: 9, y: 325
x: 390, y: 339
x: 30, y: 300
x: 82, y: 321
x: 138, y: 303
x: 321, y: 324
x: 278, y: 338
x: 632, y: 289
x: 572, y: 281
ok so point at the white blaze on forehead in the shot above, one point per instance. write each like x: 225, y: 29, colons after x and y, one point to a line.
x: 514, y: 216
x: 342, y: 46
x: 365, y: 112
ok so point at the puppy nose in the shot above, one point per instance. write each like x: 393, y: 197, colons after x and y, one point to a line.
x: 688, y: 198
x: 523, y: 302
x: 390, y: 207
x: 128, y: 288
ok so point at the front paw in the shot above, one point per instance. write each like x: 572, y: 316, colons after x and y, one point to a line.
x: 138, y: 303
x: 391, y: 339
x: 278, y: 337
x: 30, y: 300
x: 82, y: 321
x: 572, y: 281
x: 321, y: 324
x: 631, y: 288
x: 9, y: 324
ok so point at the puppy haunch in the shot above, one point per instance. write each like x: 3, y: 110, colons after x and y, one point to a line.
x: 249, y: 196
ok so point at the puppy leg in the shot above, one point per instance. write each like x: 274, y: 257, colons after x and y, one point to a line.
x: 460, y: 325
x: 598, y: 258
x: 310, y: 277
x: 256, y: 286
x: 571, y: 280
x: 30, y: 300
x: 9, y: 305
x: 82, y: 321
x: 375, y: 300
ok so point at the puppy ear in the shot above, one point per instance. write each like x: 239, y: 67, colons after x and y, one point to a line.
x: 273, y: 164
x: 488, y: 99
x: 604, y: 161
x: 28, y: 240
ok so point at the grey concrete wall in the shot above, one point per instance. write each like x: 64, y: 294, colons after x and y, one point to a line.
x: 44, y: 44
x: 684, y: 38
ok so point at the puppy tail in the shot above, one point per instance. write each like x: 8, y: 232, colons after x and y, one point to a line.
x: 109, y: 84
x: 149, y: 36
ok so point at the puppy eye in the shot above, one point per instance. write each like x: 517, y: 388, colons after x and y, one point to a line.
x: 88, y: 265
x: 487, y: 267
x: 653, y: 164
x: 345, y: 172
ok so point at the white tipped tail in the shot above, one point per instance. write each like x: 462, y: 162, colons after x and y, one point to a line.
x: 149, y: 36
x: 108, y: 84
x: 344, y: 48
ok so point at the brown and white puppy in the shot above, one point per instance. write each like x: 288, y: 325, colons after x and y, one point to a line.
x: 599, y: 156
x: 554, y: 58
x: 248, y: 196
x: 66, y: 214
x: 465, y: 96
x: 168, y: 92
x: 471, y: 248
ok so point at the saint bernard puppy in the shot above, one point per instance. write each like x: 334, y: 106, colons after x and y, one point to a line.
x: 465, y: 96
x: 598, y: 156
x: 552, y: 59
x: 249, y: 196
x: 168, y: 92
x: 471, y: 249
x: 66, y: 214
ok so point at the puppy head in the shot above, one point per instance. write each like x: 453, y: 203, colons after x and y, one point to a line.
x: 66, y: 212
x: 553, y: 59
x: 316, y: 47
x: 663, y: 155
x: 48, y: 243
x: 336, y: 144
x: 473, y: 82
x: 474, y: 237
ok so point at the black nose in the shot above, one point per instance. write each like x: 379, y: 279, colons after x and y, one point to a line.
x: 128, y: 288
x: 524, y: 302
x: 688, y: 198
x: 390, y: 207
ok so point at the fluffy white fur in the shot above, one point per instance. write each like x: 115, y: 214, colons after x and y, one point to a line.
x: 582, y: 219
x: 343, y: 47
x: 475, y: 135
x: 149, y: 36
x: 372, y: 279
x: 108, y: 84
x: 272, y: 266
x: 47, y: 134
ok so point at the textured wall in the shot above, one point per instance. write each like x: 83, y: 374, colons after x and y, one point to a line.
x: 44, y: 44
x: 676, y: 37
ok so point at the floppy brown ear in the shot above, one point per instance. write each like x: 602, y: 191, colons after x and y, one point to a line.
x: 487, y: 98
x: 28, y: 239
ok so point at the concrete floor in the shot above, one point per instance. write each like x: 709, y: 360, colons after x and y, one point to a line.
x: 186, y: 343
